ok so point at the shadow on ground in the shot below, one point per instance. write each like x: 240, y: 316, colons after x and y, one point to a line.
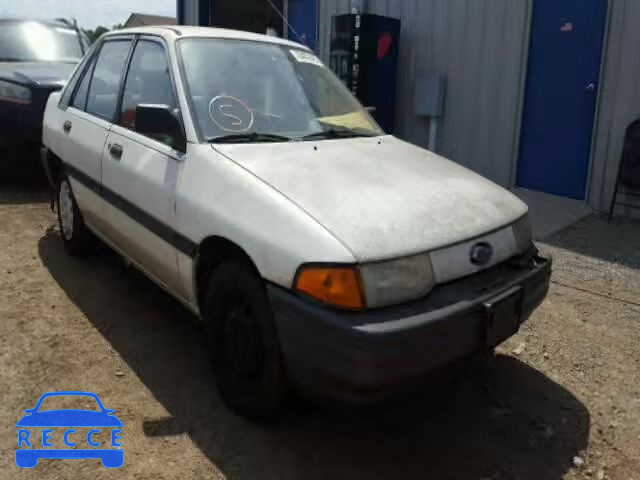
x: 20, y: 192
x: 508, y: 422
x: 614, y: 241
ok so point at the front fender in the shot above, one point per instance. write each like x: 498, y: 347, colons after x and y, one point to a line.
x: 217, y: 197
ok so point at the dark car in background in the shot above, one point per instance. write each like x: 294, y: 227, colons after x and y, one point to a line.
x: 36, y: 57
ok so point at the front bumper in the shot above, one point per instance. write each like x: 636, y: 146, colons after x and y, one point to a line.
x: 368, y: 356
x: 21, y: 132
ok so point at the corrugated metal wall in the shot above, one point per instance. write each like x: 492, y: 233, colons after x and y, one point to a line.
x: 188, y: 11
x: 480, y: 48
x: 619, y: 98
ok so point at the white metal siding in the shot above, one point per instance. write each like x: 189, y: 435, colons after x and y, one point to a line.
x: 191, y: 9
x: 480, y: 48
x: 619, y: 99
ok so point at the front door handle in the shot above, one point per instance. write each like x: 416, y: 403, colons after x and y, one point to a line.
x: 116, y: 151
x: 67, y: 126
x: 591, y: 87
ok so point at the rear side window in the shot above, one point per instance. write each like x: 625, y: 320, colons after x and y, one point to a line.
x: 148, y: 82
x: 80, y: 98
x: 65, y: 98
x: 105, y: 85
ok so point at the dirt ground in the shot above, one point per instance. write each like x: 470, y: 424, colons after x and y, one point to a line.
x: 568, y: 385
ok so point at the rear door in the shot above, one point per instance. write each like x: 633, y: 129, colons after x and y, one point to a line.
x: 86, y: 123
x: 140, y: 173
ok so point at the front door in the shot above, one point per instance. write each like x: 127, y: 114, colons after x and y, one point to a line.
x: 561, y: 95
x: 140, y: 172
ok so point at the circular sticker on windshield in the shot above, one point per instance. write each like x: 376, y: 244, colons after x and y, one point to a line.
x: 231, y: 114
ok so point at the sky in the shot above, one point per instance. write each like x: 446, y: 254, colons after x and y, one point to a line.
x: 89, y: 13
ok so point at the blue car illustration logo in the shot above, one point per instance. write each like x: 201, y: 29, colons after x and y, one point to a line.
x: 29, y: 441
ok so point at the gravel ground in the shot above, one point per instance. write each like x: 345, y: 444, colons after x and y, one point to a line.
x: 560, y: 400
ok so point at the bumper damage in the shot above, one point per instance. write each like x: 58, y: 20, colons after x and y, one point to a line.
x: 367, y: 356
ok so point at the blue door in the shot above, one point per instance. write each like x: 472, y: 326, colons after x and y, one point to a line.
x: 303, y: 22
x: 561, y: 95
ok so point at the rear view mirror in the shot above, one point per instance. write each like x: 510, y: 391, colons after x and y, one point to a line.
x: 159, y: 122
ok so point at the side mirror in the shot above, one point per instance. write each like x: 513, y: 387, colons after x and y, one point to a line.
x: 158, y: 121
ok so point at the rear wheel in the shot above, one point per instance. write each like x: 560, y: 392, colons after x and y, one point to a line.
x: 75, y: 234
x: 243, y: 342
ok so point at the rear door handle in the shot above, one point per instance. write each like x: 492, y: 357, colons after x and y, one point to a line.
x: 116, y: 151
x: 67, y: 126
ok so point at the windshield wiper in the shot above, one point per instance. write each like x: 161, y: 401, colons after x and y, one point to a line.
x: 11, y: 59
x: 338, y: 133
x: 254, y: 137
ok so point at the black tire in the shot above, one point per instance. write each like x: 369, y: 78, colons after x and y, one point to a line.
x: 243, y: 342
x: 75, y: 234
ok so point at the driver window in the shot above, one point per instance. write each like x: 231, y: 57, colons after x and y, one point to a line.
x: 148, y: 82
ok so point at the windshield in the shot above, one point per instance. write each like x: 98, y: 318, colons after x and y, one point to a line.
x: 38, y: 42
x: 266, y: 92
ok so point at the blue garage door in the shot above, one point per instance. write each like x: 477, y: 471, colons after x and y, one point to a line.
x: 561, y: 95
x: 303, y: 21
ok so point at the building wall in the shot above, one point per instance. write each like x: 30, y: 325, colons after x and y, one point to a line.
x: 188, y: 11
x: 132, y: 22
x: 619, y: 99
x: 480, y: 47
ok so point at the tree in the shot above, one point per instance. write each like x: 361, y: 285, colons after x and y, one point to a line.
x: 95, y: 34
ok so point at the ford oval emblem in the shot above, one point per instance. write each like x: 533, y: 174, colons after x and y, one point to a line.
x: 481, y: 254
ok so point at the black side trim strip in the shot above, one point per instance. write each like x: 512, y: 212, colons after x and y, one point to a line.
x: 155, y: 226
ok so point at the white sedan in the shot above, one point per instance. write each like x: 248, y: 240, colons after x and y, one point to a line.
x: 240, y: 175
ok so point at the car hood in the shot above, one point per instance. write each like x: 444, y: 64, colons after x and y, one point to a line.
x: 69, y: 418
x: 44, y: 74
x: 381, y: 197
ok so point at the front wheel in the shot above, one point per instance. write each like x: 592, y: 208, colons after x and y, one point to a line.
x: 243, y: 342
x: 75, y: 234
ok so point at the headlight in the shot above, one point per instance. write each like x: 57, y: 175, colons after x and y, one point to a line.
x: 397, y: 281
x: 371, y: 285
x: 522, y: 234
x: 15, y: 93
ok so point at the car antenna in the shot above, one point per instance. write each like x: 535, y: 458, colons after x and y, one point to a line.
x: 281, y: 15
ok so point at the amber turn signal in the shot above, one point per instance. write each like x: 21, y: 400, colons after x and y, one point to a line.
x: 336, y: 286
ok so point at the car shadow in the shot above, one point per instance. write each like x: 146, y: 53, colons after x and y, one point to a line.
x: 509, y: 421
x: 614, y: 241
x: 20, y: 192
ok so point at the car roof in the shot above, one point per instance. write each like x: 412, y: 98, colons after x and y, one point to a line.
x: 173, y: 32
x: 69, y: 393
x: 55, y: 23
